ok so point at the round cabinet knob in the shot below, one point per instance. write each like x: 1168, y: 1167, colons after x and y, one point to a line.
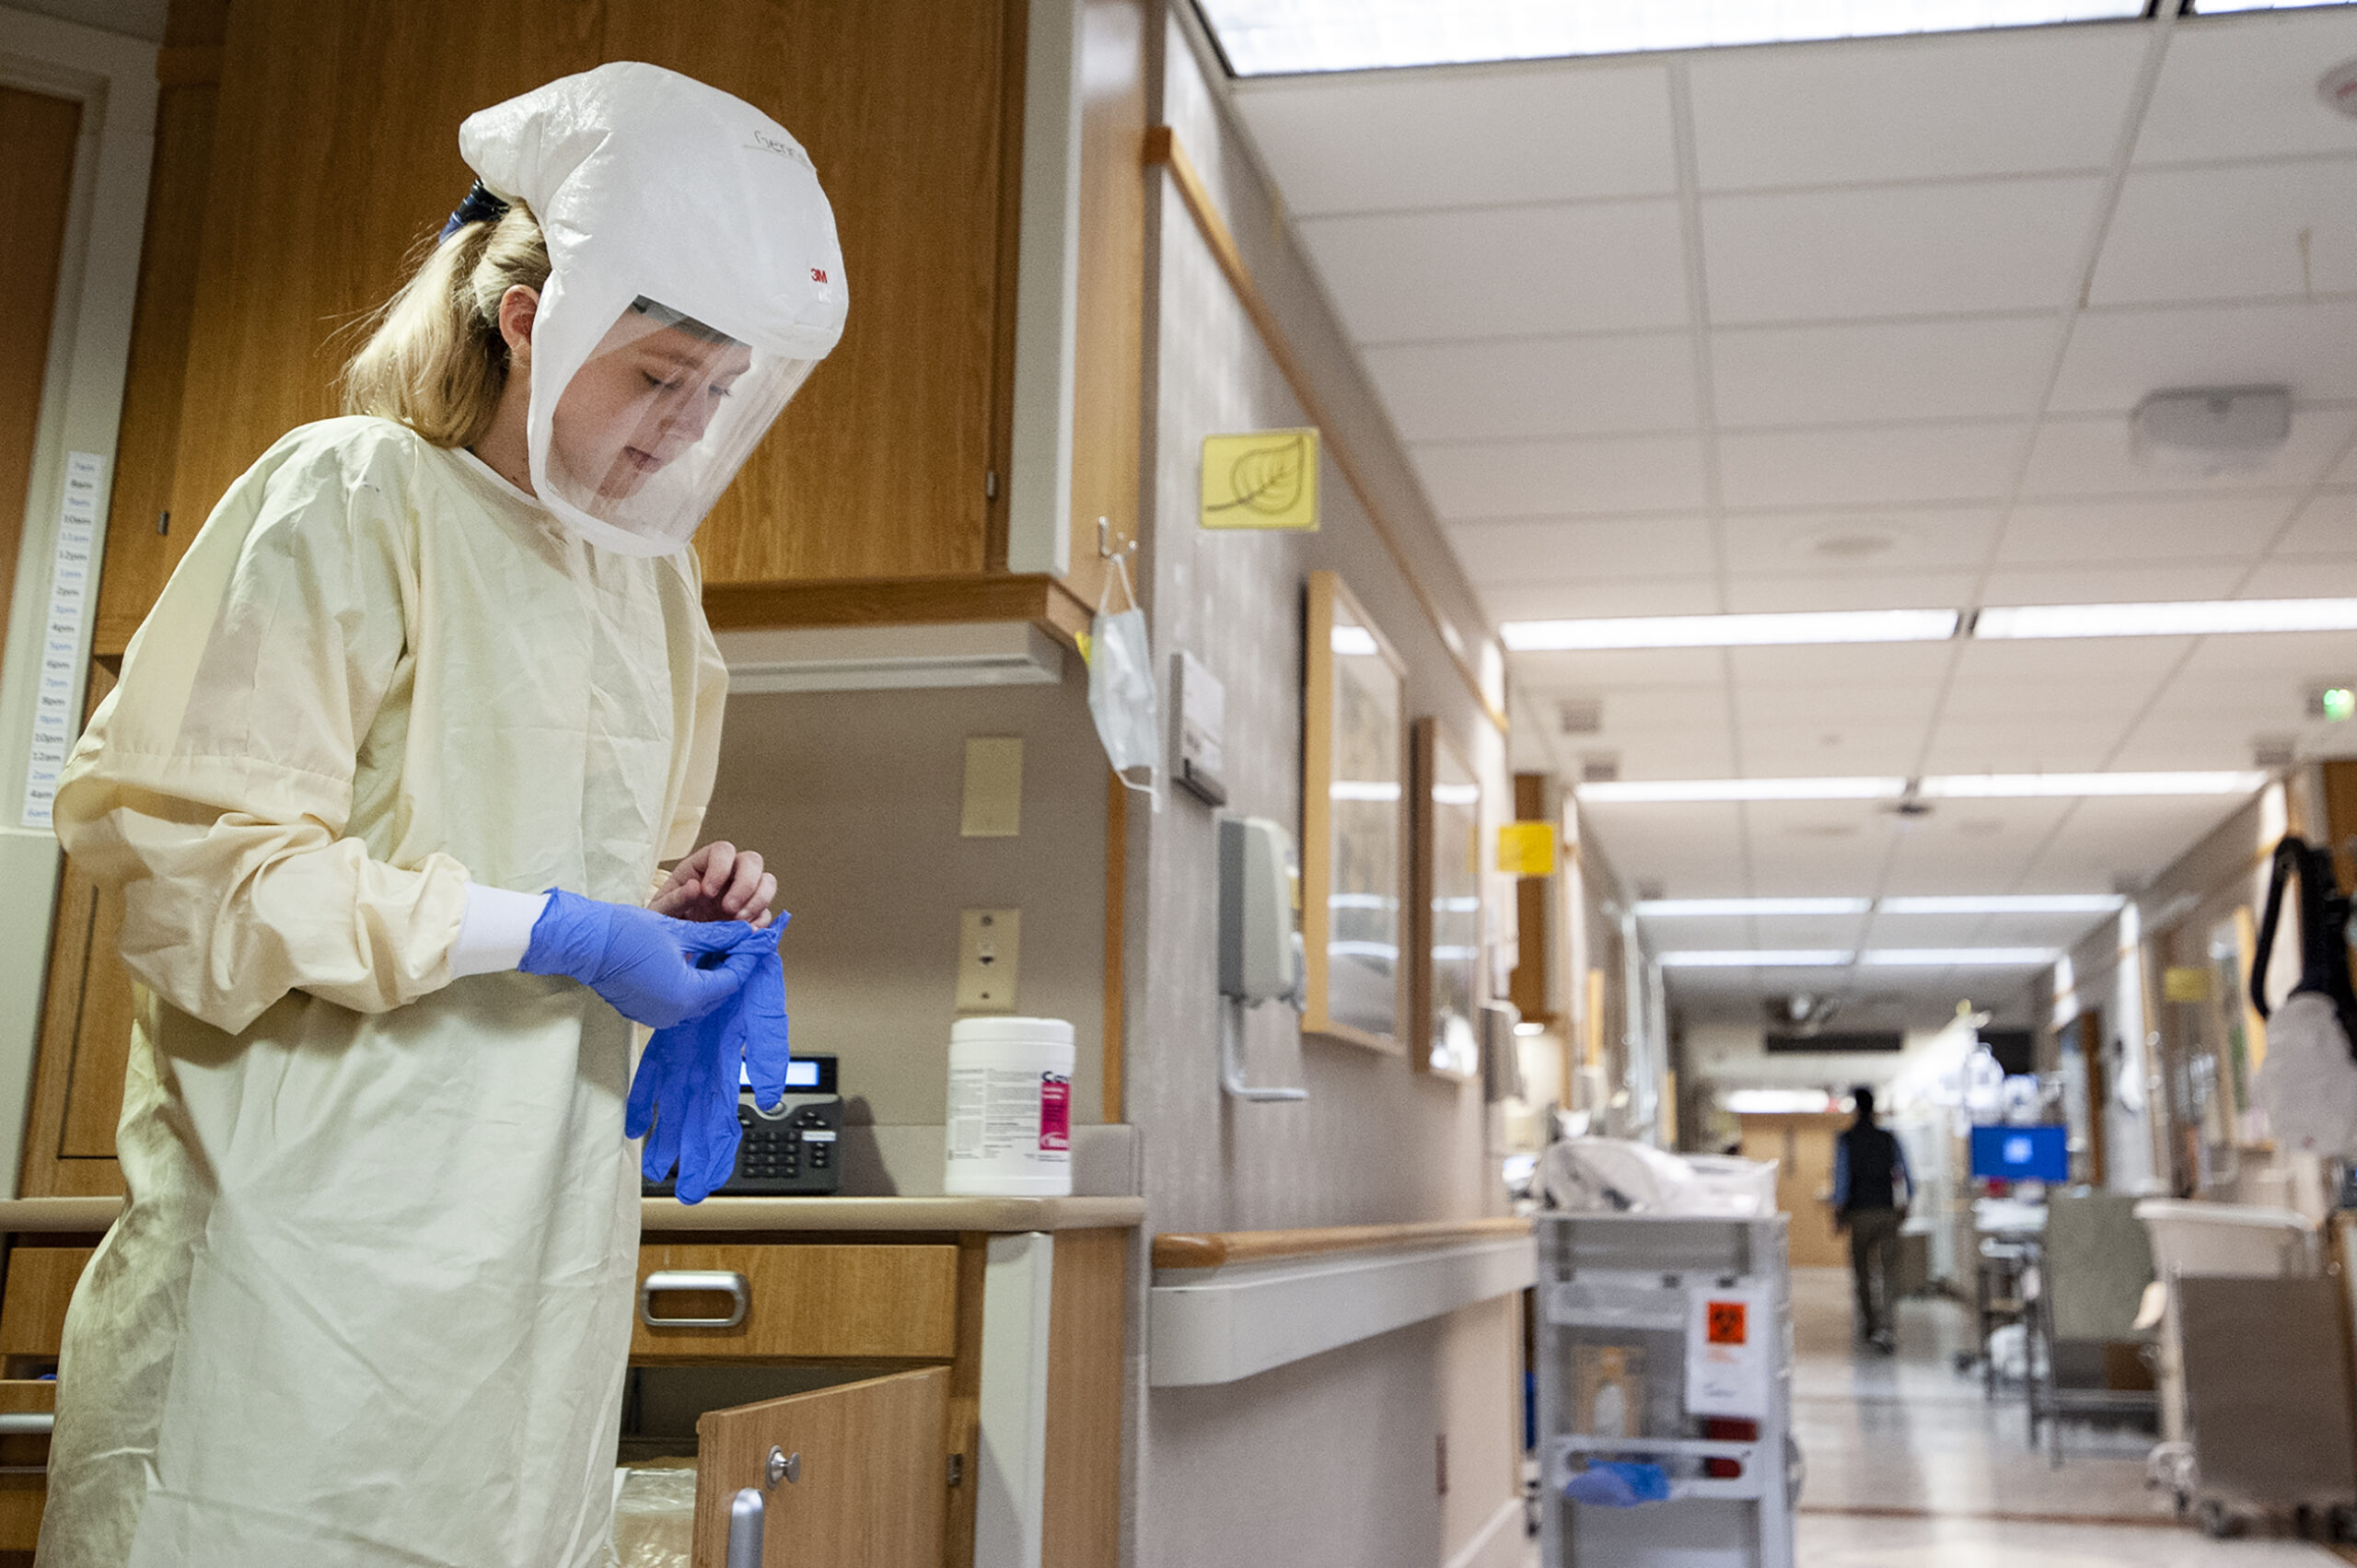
x: 785, y: 1466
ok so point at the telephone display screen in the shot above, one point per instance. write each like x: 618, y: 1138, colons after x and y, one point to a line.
x: 806, y: 1075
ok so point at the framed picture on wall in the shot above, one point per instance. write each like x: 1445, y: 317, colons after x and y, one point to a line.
x: 1353, y: 756
x: 1444, y: 906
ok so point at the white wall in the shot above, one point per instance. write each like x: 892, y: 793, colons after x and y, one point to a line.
x: 1330, y: 1460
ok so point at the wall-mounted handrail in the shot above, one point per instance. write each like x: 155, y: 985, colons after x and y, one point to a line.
x: 1212, y: 1249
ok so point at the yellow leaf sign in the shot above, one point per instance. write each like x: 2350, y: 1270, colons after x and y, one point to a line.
x: 1266, y: 480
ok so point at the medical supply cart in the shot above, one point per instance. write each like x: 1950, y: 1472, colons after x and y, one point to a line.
x: 1666, y: 1353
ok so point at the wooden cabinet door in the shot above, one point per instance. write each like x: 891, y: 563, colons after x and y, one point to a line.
x: 877, y: 468
x: 870, y: 1463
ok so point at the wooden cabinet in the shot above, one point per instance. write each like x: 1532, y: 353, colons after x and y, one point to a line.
x: 863, y: 1483
x: 308, y: 150
x: 934, y: 1426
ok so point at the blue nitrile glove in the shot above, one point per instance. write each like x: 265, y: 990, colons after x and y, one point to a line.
x: 683, y: 1100
x: 644, y: 963
x: 759, y: 1013
x: 1611, y: 1483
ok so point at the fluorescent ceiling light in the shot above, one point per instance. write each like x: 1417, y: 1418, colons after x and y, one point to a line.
x: 1625, y: 790
x: 1944, y: 958
x: 1670, y: 909
x: 2185, y: 618
x: 1731, y: 631
x: 2033, y: 786
x: 1761, y: 957
x: 2222, y: 7
x: 1271, y: 37
x: 2007, y: 903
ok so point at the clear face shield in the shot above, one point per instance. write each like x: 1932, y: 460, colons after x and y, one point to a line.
x: 652, y: 426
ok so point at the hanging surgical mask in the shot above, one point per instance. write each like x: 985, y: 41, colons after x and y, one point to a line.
x: 1120, y: 688
x: 694, y: 281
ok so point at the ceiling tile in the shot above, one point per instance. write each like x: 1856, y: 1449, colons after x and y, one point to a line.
x: 1379, y: 141
x: 2129, y: 837
x: 1912, y: 109
x: 2223, y: 742
x: 1978, y: 846
x: 2155, y: 528
x: 1611, y: 384
x: 1854, y: 374
x: 2117, y: 357
x: 1691, y: 751
x: 1620, y: 669
x: 2332, y: 576
x: 1695, y: 851
x: 1891, y: 540
x: 1840, y: 749
x: 1863, y: 700
x: 2294, y: 655
x: 2102, y: 663
x: 1905, y: 251
x: 1584, y: 596
x: 1919, y: 590
x: 2246, y: 86
x: 2326, y: 526
x: 1502, y: 271
x: 1891, y: 464
x: 2107, y: 699
x: 2245, y: 232
x: 2092, y: 455
x: 2247, y: 701
x: 2110, y: 585
x: 1930, y: 931
x: 1554, y: 551
x: 1910, y: 664
x: 1481, y: 481
x: 2023, y: 745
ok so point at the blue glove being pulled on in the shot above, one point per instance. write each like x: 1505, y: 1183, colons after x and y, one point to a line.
x: 648, y: 966
x: 683, y: 1100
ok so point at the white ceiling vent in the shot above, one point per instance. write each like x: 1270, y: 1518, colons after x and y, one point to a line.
x: 2212, y: 429
x: 858, y: 658
x: 1580, y: 716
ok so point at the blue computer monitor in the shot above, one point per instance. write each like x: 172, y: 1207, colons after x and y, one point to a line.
x: 2022, y: 1154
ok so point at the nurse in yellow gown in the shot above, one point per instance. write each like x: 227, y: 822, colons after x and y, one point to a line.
x: 369, y: 1301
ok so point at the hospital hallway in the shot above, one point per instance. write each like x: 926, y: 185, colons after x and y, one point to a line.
x: 1911, y: 1467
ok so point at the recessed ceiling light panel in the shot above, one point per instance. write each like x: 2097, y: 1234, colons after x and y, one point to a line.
x: 1730, y: 631
x: 1263, y: 38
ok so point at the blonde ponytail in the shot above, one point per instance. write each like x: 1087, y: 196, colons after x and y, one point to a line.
x: 435, y: 360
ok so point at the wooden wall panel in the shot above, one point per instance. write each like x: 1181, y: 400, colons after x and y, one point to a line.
x: 877, y: 469
x: 139, y: 555
x: 37, y: 144
x: 1083, y: 1527
x: 1109, y: 327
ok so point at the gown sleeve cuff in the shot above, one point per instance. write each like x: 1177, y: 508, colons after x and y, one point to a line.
x: 495, y: 931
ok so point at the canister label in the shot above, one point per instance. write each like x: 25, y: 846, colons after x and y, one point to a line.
x: 1055, y: 1111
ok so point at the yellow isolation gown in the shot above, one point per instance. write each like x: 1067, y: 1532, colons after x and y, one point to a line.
x: 370, y: 1301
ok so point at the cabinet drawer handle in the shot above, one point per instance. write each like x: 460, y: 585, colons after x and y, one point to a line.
x: 28, y: 1424
x: 726, y: 1282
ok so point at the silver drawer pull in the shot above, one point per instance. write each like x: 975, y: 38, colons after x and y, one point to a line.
x: 726, y: 1282
x: 28, y: 1424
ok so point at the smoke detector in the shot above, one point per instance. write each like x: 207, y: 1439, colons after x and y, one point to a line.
x: 2212, y: 429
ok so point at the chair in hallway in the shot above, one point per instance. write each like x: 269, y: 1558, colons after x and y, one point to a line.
x: 2084, y: 1297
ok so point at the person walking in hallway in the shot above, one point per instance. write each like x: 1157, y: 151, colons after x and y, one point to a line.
x: 1871, y: 1189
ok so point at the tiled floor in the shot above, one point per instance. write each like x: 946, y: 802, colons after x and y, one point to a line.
x: 1909, y: 1466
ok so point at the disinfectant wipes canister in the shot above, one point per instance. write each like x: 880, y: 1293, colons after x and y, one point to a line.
x: 1010, y: 1107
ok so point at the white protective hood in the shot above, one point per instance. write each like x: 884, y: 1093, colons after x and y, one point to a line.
x: 694, y: 281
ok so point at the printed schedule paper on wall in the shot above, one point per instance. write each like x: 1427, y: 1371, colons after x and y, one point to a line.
x: 55, y: 725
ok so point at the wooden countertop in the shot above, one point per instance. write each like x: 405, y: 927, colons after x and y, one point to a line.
x: 670, y: 1217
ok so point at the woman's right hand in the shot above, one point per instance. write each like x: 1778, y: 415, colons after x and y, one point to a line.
x: 653, y: 969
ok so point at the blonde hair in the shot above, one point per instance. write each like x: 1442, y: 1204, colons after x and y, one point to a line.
x: 434, y: 359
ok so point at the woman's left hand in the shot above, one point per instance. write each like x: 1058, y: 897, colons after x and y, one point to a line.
x: 719, y: 882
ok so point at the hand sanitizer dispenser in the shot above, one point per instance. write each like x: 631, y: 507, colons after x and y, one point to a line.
x: 1261, y: 955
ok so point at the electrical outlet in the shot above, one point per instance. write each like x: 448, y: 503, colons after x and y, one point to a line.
x: 987, y: 941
